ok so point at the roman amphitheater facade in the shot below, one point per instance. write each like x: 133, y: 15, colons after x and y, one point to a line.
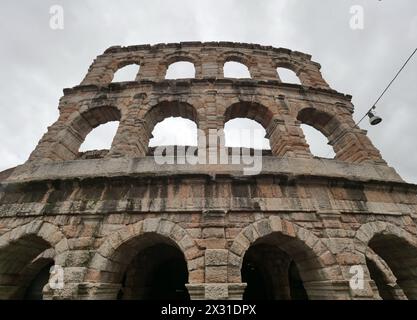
x: 119, y: 225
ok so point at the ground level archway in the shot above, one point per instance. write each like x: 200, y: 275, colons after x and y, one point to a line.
x: 281, y: 260
x: 157, y: 272
x: 147, y: 260
x: 271, y: 274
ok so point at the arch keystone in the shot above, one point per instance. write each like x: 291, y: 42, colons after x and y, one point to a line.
x: 276, y: 223
x: 151, y: 224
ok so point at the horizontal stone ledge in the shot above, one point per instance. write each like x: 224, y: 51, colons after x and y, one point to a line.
x: 250, y: 82
x: 26, y: 211
x: 292, y: 169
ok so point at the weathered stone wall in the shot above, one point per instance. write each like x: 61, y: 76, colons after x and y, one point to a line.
x: 93, y: 216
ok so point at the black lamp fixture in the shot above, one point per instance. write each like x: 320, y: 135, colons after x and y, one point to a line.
x: 373, y: 118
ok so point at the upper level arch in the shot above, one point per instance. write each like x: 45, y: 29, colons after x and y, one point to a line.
x: 237, y: 57
x: 181, y: 56
x: 236, y: 70
x: 166, y: 109
x: 250, y: 110
x: 180, y: 70
x: 118, y: 64
x: 77, y: 128
x: 286, y: 75
x: 320, y: 120
x: 160, y: 111
x: 308, y: 74
x: 208, y: 59
x: 349, y: 143
x: 292, y: 65
x: 129, y: 72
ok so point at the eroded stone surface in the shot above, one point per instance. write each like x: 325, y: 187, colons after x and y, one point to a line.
x: 99, y: 213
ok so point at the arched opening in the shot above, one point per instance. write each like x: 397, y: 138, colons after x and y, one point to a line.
x: 386, y: 292
x: 249, y: 110
x: 245, y: 133
x: 318, y: 143
x: 401, y: 258
x: 127, y: 73
x: 101, y: 137
x: 233, y: 69
x: 35, y: 289
x: 71, y: 138
x: 174, y: 131
x: 288, y: 76
x: 245, y: 125
x: 297, y: 290
x: 23, y: 270
x: 158, y: 272
x: 180, y: 118
x: 180, y: 70
x: 149, y: 267
x: 278, y: 267
x: 258, y: 286
x: 318, y: 128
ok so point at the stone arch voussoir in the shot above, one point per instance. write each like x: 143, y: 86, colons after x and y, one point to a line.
x: 162, y: 227
x: 273, y: 224
x: 367, y: 231
x: 44, y: 230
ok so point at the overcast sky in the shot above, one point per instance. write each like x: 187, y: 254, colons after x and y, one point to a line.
x: 37, y: 62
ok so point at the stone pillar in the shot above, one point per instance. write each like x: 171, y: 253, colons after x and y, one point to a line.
x: 352, y: 145
x: 287, y: 139
x: 152, y: 69
x: 210, y: 66
x: 198, y: 67
x: 73, y: 256
x: 132, y: 138
x: 311, y: 76
x: 216, y: 263
x: 265, y: 69
x: 49, y: 147
x: 212, y: 126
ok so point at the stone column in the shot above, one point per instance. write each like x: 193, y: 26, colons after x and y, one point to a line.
x: 73, y: 256
x: 210, y: 66
x: 132, y: 139
x: 311, y: 76
x: 152, y: 69
x: 352, y: 145
x: 265, y: 69
x: 287, y: 139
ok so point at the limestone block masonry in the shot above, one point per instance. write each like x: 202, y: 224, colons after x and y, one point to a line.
x: 121, y: 226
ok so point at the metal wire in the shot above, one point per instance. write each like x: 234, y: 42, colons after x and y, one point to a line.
x: 388, y: 86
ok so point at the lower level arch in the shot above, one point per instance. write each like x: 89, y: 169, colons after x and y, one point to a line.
x: 150, y: 259
x: 297, y: 253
